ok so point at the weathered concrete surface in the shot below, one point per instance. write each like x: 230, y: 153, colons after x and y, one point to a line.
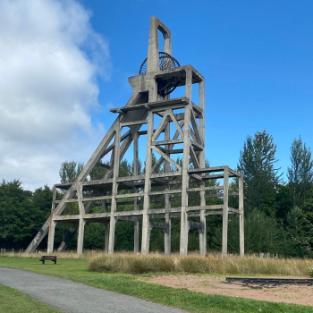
x: 72, y: 297
x: 169, y: 122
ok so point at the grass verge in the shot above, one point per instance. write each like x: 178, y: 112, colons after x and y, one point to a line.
x: 15, y: 302
x: 76, y: 269
x: 212, y: 264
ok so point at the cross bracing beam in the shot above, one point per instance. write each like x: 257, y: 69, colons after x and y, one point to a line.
x: 98, y: 154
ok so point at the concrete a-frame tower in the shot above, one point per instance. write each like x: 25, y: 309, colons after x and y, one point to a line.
x: 166, y: 126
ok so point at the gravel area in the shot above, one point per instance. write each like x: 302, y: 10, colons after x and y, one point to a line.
x: 295, y: 294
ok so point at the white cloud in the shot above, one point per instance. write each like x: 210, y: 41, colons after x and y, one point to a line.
x: 50, y: 57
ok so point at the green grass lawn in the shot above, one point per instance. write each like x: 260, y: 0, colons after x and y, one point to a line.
x: 76, y: 269
x: 12, y: 301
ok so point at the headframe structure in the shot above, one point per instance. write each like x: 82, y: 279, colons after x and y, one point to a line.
x: 175, y: 182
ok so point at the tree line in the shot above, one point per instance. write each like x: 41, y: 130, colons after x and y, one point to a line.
x: 278, y: 209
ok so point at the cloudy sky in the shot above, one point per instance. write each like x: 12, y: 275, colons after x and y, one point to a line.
x: 50, y: 58
x: 64, y: 63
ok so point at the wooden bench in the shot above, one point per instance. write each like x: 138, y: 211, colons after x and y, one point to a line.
x: 45, y: 258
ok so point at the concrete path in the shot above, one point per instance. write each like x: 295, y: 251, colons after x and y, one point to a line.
x: 72, y: 297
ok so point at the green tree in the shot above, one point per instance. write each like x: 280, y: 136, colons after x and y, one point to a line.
x: 125, y: 168
x: 257, y: 163
x: 42, y: 199
x: 69, y: 171
x: 283, y: 202
x: 300, y: 172
x: 21, y: 213
x: 99, y: 171
x: 300, y: 233
x: 264, y: 234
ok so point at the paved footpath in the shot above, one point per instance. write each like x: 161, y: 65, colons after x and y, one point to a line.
x: 72, y: 297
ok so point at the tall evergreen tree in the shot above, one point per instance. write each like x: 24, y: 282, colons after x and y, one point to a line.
x: 284, y: 202
x: 300, y: 233
x: 300, y: 172
x: 263, y: 233
x: 257, y: 163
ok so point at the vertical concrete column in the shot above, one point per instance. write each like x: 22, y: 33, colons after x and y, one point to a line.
x: 136, y: 172
x: 52, y: 224
x: 54, y: 197
x: 106, y: 237
x: 80, y: 237
x: 81, y: 225
x: 145, y: 236
x: 135, y: 155
x: 168, y: 230
x: 111, y: 242
x: 136, y: 235
x: 184, y: 229
x: 51, y: 234
x: 167, y: 44
x: 167, y: 202
x: 81, y: 207
x: 153, y: 48
x: 116, y: 166
x: 225, y: 212
x: 241, y: 218
x: 203, y: 231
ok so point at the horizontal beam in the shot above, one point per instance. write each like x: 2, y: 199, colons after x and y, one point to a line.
x: 190, y: 211
x: 192, y: 172
x: 66, y: 217
x: 205, y: 188
x: 164, y: 192
x: 129, y: 195
x: 131, y: 123
x: 151, y: 105
x: 167, y: 174
x: 152, y: 193
x: 233, y: 210
x: 208, y: 169
x: 196, y: 76
x: 205, y: 207
x: 232, y: 172
x: 166, y: 142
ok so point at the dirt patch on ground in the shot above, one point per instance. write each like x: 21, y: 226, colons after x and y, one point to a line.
x: 217, y: 286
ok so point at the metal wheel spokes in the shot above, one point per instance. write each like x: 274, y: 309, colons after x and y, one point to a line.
x: 166, y: 63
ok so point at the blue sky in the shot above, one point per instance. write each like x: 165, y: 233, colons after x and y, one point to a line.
x: 256, y: 56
